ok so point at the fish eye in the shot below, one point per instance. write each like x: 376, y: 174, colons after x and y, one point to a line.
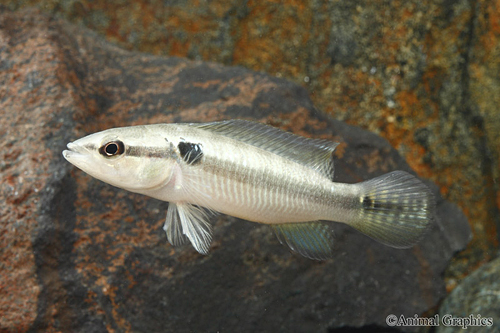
x: 112, y: 148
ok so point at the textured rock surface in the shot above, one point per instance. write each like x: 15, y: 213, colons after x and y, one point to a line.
x: 79, y: 255
x: 477, y: 295
x: 423, y: 74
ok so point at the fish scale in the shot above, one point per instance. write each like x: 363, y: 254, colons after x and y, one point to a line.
x: 278, y: 190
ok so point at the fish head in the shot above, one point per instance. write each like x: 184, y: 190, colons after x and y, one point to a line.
x: 134, y: 158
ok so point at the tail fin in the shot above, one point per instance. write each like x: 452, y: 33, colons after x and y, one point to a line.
x: 396, y: 209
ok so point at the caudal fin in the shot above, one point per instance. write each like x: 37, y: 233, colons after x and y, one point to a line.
x: 395, y: 209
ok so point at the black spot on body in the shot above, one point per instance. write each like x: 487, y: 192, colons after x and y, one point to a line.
x: 373, y: 203
x: 367, y: 202
x: 190, y: 152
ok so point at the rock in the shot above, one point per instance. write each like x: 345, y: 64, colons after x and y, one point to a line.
x: 476, y: 296
x: 79, y: 255
x: 422, y: 74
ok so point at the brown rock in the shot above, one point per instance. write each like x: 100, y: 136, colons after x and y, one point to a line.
x: 424, y: 74
x: 79, y: 255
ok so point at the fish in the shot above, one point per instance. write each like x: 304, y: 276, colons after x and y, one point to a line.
x: 257, y: 173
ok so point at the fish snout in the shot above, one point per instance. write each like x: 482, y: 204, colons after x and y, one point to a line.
x: 74, y: 150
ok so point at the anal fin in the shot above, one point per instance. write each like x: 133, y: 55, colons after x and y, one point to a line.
x: 188, y: 221
x: 313, y: 240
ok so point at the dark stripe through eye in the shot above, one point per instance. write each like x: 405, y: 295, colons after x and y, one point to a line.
x: 112, y: 148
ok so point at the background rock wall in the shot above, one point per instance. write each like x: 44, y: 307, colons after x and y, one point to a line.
x: 423, y: 74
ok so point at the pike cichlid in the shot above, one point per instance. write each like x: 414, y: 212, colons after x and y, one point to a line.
x: 257, y: 173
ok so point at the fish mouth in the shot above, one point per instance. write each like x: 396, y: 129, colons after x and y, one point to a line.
x: 72, y: 151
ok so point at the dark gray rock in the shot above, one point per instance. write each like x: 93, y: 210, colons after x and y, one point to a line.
x: 80, y: 255
x: 476, y: 299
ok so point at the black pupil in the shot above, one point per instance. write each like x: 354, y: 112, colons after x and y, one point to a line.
x: 111, y: 148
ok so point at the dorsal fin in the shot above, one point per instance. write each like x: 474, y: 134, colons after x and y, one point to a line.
x: 315, y: 154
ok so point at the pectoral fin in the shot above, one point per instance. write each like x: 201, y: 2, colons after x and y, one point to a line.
x: 173, y: 226
x: 188, y: 221
x: 313, y: 240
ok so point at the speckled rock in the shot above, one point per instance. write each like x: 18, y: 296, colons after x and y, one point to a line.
x: 477, y: 296
x: 424, y: 74
x: 79, y: 255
